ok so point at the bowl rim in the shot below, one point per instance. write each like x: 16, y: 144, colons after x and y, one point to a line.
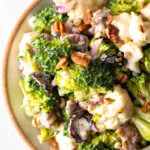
x: 4, y: 72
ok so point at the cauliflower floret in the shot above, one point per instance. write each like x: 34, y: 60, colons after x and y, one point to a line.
x: 145, y: 11
x: 133, y: 53
x: 64, y: 142
x: 122, y: 22
x: 116, y: 109
x: 139, y: 30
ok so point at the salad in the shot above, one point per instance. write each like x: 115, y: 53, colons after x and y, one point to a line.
x: 85, y: 74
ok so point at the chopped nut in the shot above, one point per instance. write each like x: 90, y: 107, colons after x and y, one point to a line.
x: 56, y: 26
x: 81, y: 59
x: 59, y: 27
x: 87, y: 16
x: 109, y: 100
x: 127, y: 40
x: 110, y: 18
x: 113, y: 33
x: 145, y: 107
x: 81, y: 27
x: 54, y: 144
x: 141, y: 28
x: 122, y: 78
x: 63, y: 63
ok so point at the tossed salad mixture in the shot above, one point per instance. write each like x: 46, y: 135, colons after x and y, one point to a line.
x: 86, y: 74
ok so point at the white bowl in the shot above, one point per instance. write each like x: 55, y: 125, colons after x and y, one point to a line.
x: 12, y: 92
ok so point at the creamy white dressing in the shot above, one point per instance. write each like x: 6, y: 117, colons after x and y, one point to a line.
x: 115, y: 113
x: 82, y: 128
x: 139, y: 30
x: 133, y: 53
x: 122, y: 23
x: 64, y: 142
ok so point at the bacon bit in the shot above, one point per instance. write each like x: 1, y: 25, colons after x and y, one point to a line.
x: 110, y: 18
x: 127, y: 40
x: 87, y: 16
x: 109, y: 100
x: 81, y: 59
x: 141, y: 96
x: 141, y: 28
x: 120, y: 132
x: 122, y: 78
x: 54, y: 144
x: 63, y: 63
x: 62, y: 103
x: 59, y: 27
x: 81, y: 27
x: 145, y: 107
x: 113, y: 33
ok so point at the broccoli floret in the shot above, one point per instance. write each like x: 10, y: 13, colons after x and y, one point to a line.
x: 103, y: 141
x: 139, y: 87
x: 37, y: 99
x: 145, y: 62
x: 106, y: 46
x: 46, y: 17
x: 46, y: 134
x: 118, y: 6
x: 142, y: 122
x: 97, y: 78
x: 49, y: 52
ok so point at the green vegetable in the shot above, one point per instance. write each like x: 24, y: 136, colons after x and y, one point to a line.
x: 139, y: 87
x: 97, y: 78
x: 106, y: 46
x: 103, y: 141
x: 28, y: 60
x: 49, y: 52
x: 142, y: 122
x: 145, y: 62
x: 118, y: 6
x: 35, y: 98
x: 46, y: 134
x: 46, y: 17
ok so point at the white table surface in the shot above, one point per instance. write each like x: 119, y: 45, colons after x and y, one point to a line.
x: 10, y: 11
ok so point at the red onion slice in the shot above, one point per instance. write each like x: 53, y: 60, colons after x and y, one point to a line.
x: 95, y: 48
x: 64, y: 8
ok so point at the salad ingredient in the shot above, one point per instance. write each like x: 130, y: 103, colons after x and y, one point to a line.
x: 133, y: 53
x: 145, y: 11
x: 129, y: 136
x: 122, y: 23
x: 113, y: 33
x: 142, y: 122
x: 59, y: 28
x: 64, y: 142
x: 145, y: 61
x: 125, y: 5
x: 78, y: 40
x: 46, y: 17
x: 81, y: 59
x: 63, y: 63
x: 115, y: 111
x: 139, y: 88
x: 49, y: 53
x: 116, y: 60
x: 64, y: 8
x: 139, y: 30
x: 76, y: 78
x: 102, y: 141
x: 46, y: 134
x: 44, y: 80
x: 71, y: 107
x: 102, y: 46
x: 80, y: 126
x: 35, y: 98
x: 87, y: 16
x: 82, y: 26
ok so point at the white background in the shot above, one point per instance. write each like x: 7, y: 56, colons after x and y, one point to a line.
x: 10, y: 11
